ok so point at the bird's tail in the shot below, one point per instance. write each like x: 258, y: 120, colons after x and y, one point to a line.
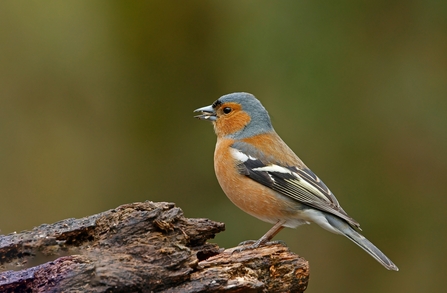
x: 346, y: 230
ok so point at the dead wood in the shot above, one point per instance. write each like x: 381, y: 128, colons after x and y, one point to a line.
x: 142, y: 247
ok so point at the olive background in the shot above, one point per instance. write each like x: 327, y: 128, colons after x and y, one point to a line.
x: 97, y: 100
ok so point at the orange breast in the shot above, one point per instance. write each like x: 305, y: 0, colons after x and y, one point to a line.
x: 250, y: 196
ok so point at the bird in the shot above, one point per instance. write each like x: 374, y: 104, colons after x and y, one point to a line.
x: 262, y: 176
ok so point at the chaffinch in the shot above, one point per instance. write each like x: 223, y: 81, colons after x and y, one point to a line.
x: 262, y: 176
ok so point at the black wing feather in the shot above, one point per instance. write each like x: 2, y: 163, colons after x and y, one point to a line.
x: 300, y: 184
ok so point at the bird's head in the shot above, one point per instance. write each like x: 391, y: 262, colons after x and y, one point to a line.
x: 237, y: 115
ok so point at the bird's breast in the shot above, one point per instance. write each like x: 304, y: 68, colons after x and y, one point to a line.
x: 247, y: 194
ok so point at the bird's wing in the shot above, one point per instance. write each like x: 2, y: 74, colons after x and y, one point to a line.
x: 300, y: 184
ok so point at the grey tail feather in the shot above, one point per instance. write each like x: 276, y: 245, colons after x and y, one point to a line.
x: 361, y: 241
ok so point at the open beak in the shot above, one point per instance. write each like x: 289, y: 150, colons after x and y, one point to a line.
x: 208, y: 113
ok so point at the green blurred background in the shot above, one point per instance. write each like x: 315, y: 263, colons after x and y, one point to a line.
x: 96, y: 101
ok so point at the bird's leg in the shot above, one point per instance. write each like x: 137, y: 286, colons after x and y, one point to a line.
x: 267, y: 236
x: 270, y: 233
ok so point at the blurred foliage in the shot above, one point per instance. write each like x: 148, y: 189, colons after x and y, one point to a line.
x: 96, y: 101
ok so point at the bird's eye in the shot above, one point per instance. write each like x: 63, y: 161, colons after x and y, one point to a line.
x: 226, y: 110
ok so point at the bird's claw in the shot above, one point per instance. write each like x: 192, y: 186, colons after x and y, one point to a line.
x: 246, y: 242
x: 253, y: 244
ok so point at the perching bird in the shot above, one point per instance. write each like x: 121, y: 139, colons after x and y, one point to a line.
x: 262, y: 176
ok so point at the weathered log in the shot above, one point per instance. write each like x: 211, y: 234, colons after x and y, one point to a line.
x: 142, y: 247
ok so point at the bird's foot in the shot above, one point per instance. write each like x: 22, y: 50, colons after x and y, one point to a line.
x: 274, y: 242
x: 257, y: 243
x: 253, y: 244
x: 246, y: 242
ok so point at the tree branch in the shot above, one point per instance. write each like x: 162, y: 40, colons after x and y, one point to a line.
x: 142, y: 247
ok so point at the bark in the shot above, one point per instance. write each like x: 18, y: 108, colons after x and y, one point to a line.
x: 142, y: 247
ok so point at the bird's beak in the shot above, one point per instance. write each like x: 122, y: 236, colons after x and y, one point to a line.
x: 208, y: 113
